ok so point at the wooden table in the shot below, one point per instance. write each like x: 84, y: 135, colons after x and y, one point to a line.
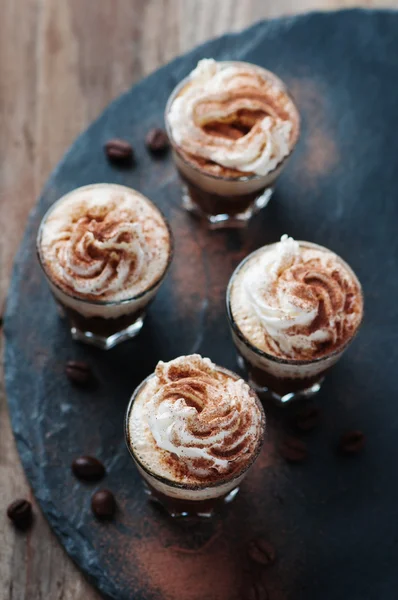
x: 61, y: 63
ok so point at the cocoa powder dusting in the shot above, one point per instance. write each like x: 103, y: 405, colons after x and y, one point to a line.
x: 319, y: 153
x: 188, y: 273
x: 270, y: 100
x: 323, y: 288
x: 200, y: 272
x: 174, y: 574
x: 264, y: 460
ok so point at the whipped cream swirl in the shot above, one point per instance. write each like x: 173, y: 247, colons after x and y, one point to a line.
x: 235, y: 116
x: 103, y: 243
x: 207, y: 423
x: 98, y: 257
x: 304, y: 300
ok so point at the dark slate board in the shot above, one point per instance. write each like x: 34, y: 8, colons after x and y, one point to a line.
x: 334, y: 522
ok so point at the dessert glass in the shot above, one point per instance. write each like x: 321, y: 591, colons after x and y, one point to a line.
x: 196, y: 499
x: 103, y: 324
x: 282, y: 380
x: 224, y: 201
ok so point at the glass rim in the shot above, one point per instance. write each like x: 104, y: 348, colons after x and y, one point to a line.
x: 240, y: 178
x: 272, y: 357
x: 103, y: 302
x: 194, y: 486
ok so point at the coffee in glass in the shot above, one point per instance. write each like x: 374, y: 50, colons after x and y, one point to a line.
x: 105, y: 250
x: 293, y: 308
x: 232, y: 127
x: 193, y: 429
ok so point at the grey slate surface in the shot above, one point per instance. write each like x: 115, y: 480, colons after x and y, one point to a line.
x: 334, y: 523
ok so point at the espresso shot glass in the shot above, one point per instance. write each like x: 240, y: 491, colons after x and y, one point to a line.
x: 224, y: 200
x: 204, y: 499
x: 102, y: 323
x: 285, y: 379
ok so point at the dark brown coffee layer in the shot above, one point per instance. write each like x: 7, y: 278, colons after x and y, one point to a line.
x: 189, y: 507
x: 100, y: 326
x: 281, y: 385
x: 215, y: 204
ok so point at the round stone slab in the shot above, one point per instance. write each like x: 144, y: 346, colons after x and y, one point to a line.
x: 331, y: 520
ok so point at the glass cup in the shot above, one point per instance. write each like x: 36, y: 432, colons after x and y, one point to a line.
x: 225, y: 201
x: 101, y: 323
x: 184, y: 499
x: 281, y: 379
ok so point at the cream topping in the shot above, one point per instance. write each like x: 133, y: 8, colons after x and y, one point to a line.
x: 296, y: 301
x: 104, y: 242
x: 257, y: 108
x: 199, y: 423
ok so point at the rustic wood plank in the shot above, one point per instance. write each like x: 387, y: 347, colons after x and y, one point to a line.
x: 60, y: 64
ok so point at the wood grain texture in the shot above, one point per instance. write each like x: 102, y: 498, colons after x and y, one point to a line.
x: 61, y: 63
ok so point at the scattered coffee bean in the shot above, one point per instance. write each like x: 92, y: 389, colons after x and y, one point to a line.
x: 262, y: 552
x: 352, y: 442
x: 103, y: 504
x: 256, y: 591
x: 307, y: 418
x: 119, y: 151
x: 293, y: 450
x: 78, y: 372
x: 20, y: 513
x: 157, y: 140
x: 88, y: 468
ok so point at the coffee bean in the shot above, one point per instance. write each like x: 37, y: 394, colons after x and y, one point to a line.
x: 157, y: 140
x: 88, y: 468
x: 293, y: 450
x: 256, y: 591
x: 262, y: 552
x: 352, y: 442
x: 307, y: 418
x: 119, y: 151
x: 78, y: 372
x: 20, y: 513
x: 103, y: 504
